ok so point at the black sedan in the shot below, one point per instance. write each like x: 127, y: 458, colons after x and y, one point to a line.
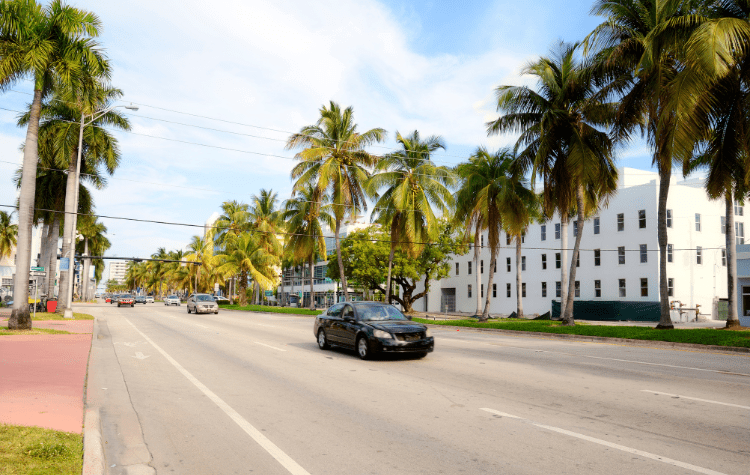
x: 371, y: 327
x: 140, y: 299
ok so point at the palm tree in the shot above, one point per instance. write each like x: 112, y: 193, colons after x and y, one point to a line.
x: 266, y: 222
x: 305, y: 216
x: 51, y: 45
x: 8, y: 235
x: 634, y: 48
x: 91, y: 230
x: 335, y: 161
x: 413, y: 186
x: 563, y: 144
x: 234, y: 220
x: 159, y: 268
x: 244, y: 255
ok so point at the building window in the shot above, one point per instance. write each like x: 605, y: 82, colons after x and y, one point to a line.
x: 494, y: 290
x: 558, y: 262
x: 670, y: 287
x: 578, y: 288
x: 482, y: 290
x: 739, y: 209
x: 739, y: 233
x: 469, y: 290
x: 523, y: 238
x: 596, y: 225
x: 644, y: 253
x: 575, y: 228
x: 544, y: 232
x: 578, y: 259
x: 669, y: 218
x: 622, y: 287
x: 699, y: 255
x: 523, y: 263
x: 507, y: 239
x: 494, y: 268
x: 642, y: 219
x: 697, y: 222
x: 523, y: 290
x: 544, y: 289
x: 723, y: 225
x: 597, y: 288
x: 597, y: 257
x: 621, y: 255
x: 507, y: 290
x: 723, y: 257
x: 558, y: 289
x: 544, y: 261
x: 644, y: 287
x: 469, y: 267
x: 670, y: 249
x: 507, y: 263
x: 557, y: 230
x: 482, y: 244
x: 481, y: 266
x: 457, y: 266
x: 621, y: 222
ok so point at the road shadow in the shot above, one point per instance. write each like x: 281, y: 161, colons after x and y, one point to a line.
x: 351, y: 353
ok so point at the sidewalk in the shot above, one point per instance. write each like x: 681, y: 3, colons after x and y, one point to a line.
x: 42, y: 376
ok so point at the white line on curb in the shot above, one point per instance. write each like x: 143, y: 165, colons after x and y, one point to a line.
x: 629, y: 450
x: 694, y: 398
x: 269, y: 346
x: 286, y: 461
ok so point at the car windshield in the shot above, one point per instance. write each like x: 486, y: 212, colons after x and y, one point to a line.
x: 379, y: 312
x: 172, y: 297
x: 204, y: 298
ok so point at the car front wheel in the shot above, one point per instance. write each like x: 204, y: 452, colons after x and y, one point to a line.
x: 363, y: 348
x: 322, y: 340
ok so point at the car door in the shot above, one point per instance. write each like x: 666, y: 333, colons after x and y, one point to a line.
x: 332, y: 323
x: 191, y: 303
x: 349, y: 326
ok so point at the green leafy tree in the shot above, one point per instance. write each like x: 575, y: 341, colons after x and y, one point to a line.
x: 413, y: 186
x: 245, y: 256
x: 333, y: 159
x: 8, y: 235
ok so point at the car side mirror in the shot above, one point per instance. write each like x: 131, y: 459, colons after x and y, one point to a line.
x: 349, y: 318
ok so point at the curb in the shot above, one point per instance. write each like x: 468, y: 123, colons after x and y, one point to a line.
x: 93, y: 451
x: 605, y: 339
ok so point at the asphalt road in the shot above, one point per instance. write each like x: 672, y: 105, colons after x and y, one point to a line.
x: 252, y: 393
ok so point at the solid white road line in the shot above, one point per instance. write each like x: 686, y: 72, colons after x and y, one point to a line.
x: 695, y: 399
x: 269, y: 346
x: 629, y: 450
x: 286, y: 461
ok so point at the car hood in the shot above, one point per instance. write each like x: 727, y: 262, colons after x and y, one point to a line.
x: 398, y: 326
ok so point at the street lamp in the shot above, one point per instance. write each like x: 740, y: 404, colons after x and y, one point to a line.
x: 71, y: 238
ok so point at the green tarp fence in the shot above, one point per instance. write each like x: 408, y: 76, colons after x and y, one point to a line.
x: 612, y: 310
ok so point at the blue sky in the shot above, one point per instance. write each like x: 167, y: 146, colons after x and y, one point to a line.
x: 423, y: 65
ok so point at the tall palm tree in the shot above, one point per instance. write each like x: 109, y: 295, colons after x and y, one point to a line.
x: 8, y: 235
x: 266, y: 222
x: 49, y: 45
x: 91, y: 229
x: 633, y: 46
x: 305, y: 216
x: 234, y: 220
x: 413, y: 186
x: 244, y: 255
x: 159, y: 268
x: 335, y: 161
x: 564, y: 142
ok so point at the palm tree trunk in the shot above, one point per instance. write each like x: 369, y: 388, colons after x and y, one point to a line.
x: 563, y: 261
x: 665, y: 320
x: 281, y: 293
x: 44, y: 255
x: 52, y: 255
x: 341, y: 262
x: 19, y: 318
x: 732, y: 314
x: 519, y: 280
x: 85, y: 273
x: 312, y: 289
x: 478, y: 279
x: 493, y: 260
x: 390, y: 267
x: 68, y: 247
x: 568, y: 315
x: 243, y: 289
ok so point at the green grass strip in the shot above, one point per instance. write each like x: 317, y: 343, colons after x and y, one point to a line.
x: 700, y: 336
x: 33, y: 450
x: 265, y: 308
x: 34, y: 331
x: 56, y: 316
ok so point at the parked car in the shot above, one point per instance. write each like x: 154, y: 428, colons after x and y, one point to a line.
x: 141, y: 299
x: 371, y: 327
x: 221, y: 300
x: 172, y: 300
x: 97, y: 295
x: 125, y: 299
x: 113, y: 298
x: 149, y: 299
x: 202, y: 303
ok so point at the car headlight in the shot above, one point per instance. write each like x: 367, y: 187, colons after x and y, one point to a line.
x: 427, y: 333
x: 381, y: 334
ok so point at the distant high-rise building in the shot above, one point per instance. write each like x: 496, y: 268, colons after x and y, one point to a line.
x: 117, y: 271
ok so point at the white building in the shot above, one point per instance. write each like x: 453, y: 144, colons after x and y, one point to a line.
x: 8, y: 264
x: 117, y: 271
x: 619, y: 259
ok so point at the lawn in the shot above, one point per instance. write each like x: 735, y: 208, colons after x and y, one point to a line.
x: 701, y: 336
x: 57, y: 316
x: 265, y: 308
x: 33, y: 450
x: 34, y: 331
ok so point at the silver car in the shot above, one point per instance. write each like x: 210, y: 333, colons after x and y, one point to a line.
x: 202, y: 303
x: 172, y: 300
x: 149, y: 299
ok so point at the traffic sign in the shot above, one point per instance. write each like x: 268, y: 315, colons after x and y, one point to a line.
x: 37, y: 269
x: 64, y: 263
x: 269, y: 293
x: 37, y: 274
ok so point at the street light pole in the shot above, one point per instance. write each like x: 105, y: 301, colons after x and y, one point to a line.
x: 71, y: 238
